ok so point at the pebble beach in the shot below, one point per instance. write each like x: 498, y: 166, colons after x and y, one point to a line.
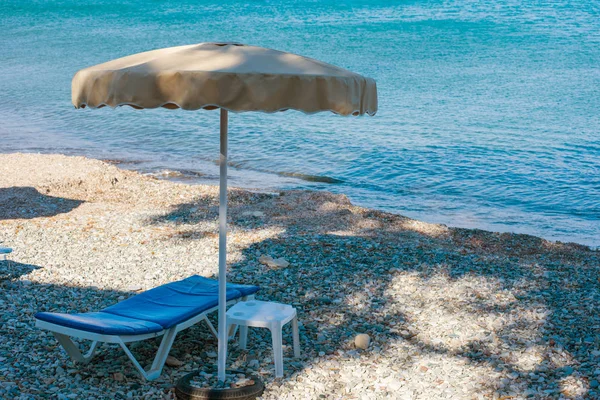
x: 449, y: 313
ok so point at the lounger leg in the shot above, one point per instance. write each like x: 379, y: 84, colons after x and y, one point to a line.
x: 211, y: 326
x: 72, y: 349
x: 159, y: 360
x: 231, y: 330
x: 163, y: 350
x: 88, y: 356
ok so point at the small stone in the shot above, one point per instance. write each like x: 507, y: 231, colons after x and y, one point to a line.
x: 173, y: 362
x: 119, y: 377
x: 240, y: 382
x: 265, y: 259
x: 273, y: 262
x: 211, y: 354
x: 278, y: 263
x: 362, y: 341
x: 594, y: 383
x: 321, y: 337
x: 253, y: 363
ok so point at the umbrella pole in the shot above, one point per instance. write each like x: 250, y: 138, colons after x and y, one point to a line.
x: 222, y: 348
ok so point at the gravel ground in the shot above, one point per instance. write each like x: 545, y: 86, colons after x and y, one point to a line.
x: 451, y: 313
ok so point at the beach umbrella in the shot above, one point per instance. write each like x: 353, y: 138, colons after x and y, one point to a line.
x: 230, y: 77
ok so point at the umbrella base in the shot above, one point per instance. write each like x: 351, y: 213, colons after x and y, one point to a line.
x: 185, y: 391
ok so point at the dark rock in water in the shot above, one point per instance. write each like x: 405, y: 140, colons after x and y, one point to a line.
x: 312, y: 178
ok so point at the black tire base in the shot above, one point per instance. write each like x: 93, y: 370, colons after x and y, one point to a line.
x: 184, y: 391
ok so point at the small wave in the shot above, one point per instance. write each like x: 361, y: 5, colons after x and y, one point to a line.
x: 120, y: 162
x: 177, y: 175
x: 296, y: 175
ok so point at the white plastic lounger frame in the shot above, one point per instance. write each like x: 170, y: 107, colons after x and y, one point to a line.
x: 63, y: 335
x: 5, y: 251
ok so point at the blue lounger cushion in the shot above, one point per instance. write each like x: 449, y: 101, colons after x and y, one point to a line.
x: 195, y: 280
x: 100, y: 322
x: 164, y: 306
x: 171, y: 304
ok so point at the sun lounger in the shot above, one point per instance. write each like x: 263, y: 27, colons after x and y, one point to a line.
x: 4, y: 251
x: 162, y: 311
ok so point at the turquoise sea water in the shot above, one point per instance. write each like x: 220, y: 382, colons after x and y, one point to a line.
x: 489, y: 111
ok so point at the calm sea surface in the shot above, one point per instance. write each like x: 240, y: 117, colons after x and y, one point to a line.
x: 489, y: 111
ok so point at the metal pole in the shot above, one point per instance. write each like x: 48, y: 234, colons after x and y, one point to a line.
x: 223, y: 249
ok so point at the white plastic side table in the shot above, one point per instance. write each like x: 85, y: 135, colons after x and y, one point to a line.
x: 263, y: 314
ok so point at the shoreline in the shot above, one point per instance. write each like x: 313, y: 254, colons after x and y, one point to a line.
x: 272, y: 181
x: 193, y: 177
x: 452, y: 313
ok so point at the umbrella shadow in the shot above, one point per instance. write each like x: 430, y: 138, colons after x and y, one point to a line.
x: 354, y: 270
x: 411, y: 288
x: 206, y: 209
x: 25, y: 202
x: 11, y: 270
x: 347, y: 285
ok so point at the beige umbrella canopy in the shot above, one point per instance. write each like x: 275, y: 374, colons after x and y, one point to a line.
x: 232, y: 77
x: 229, y: 76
